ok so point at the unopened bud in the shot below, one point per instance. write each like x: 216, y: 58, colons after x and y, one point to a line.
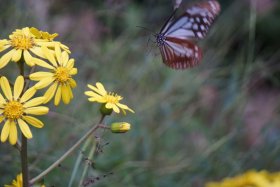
x: 120, y: 127
x: 105, y: 111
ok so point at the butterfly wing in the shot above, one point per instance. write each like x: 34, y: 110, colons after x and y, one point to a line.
x: 195, y: 22
x: 176, y: 47
x: 180, y: 54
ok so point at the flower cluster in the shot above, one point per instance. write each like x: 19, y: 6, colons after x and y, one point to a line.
x: 33, y: 47
x: 55, y: 71
x: 250, y: 178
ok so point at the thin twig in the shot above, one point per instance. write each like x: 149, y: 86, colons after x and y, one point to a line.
x: 65, y: 155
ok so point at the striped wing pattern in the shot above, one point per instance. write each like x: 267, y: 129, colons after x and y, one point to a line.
x: 180, y: 54
x: 176, y: 38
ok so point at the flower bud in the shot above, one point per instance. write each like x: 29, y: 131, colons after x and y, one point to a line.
x: 120, y: 127
x: 105, y: 111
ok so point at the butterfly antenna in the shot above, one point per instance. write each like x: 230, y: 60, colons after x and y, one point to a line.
x: 148, y: 42
x: 149, y: 48
x: 145, y: 28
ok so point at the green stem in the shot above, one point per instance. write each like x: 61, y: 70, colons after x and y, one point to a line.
x: 252, y: 31
x: 91, y: 152
x: 78, y: 161
x: 23, y: 151
x: 21, y: 66
x: 27, y: 82
x: 251, y: 39
x: 65, y: 155
x: 86, y: 144
x: 24, y: 163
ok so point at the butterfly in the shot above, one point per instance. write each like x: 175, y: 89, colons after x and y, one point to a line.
x: 176, y: 37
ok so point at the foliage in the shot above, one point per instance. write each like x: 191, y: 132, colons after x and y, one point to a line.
x: 217, y: 120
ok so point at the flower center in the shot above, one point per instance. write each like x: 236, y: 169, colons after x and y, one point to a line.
x: 21, y: 41
x: 112, y: 97
x: 13, y: 110
x: 62, y: 74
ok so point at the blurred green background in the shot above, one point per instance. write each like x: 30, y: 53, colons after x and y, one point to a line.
x: 203, y: 124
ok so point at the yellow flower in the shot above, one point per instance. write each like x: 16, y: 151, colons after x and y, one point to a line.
x: 42, y: 35
x: 120, y: 127
x: 110, y: 99
x: 250, y: 178
x: 59, y: 78
x: 23, y: 43
x: 18, y: 182
x: 16, y: 108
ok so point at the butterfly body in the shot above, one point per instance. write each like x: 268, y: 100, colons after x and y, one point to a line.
x: 176, y: 38
x: 160, y: 39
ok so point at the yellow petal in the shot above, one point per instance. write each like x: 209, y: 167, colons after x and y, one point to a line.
x: 13, y: 133
x: 33, y: 121
x: 49, y: 55
x: 115, y: 108
x: 1, y: 117
x: 92, y: 99
x: 101, y: 88
x: 96, y: 89
x: 44, y: 82
x: 42, y: 63
x: 28, y: 94
x: 26, y: 31
x: 40, y: 75
x: 6, y: 58
x: 5, y: 131
x: 24, y: 129
x: 50, y: 93
x: 109, y: 105
x: 89, y: 93
x: 34, y: 102
x: 18, y: 87
x: 125, y: 107
x: 6, y: 88
x: 38, y: 110
x: 58, y: 53
x: 2, y: 100
x: 64, y: 47
x: 72, y: 83
x: 65, y: 58
x: 17, y: 55
x: 4, y: 44
x: 57, y: 96
x: 70, y: 63
x: 28, y: 58
x: 73, y: 71
x: 37, y: 51
x: 65, y: 94
x: 35, y: 32
x: 3, y: 48
x: 124, y: 112
x: 101, y: 100
x: 92, y: 94
x: 70, y: 92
